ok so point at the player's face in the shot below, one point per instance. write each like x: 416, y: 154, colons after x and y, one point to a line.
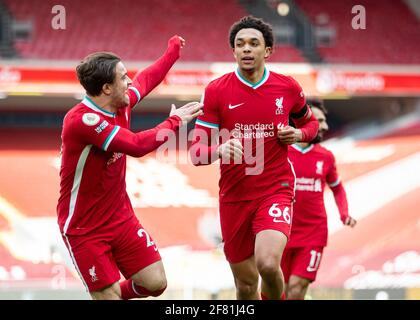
x: 323, y: 126
x: 120, y: 86
x: 250, y: 51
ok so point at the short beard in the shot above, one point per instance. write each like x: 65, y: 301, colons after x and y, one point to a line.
x: 317, y: 139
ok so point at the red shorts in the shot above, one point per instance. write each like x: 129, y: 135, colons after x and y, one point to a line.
x: 241, y: 221
x: 302, y: 262
x: 101, y: 256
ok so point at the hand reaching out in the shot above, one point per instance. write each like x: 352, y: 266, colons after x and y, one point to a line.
x: 187, y: 112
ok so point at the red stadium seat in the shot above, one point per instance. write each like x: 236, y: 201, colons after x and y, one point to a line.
x: 380, y: 42
x: 135, y: 30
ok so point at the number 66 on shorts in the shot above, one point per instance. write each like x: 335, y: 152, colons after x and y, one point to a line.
x: 279, y: 215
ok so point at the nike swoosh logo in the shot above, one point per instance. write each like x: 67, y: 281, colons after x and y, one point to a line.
x: 235, y: 106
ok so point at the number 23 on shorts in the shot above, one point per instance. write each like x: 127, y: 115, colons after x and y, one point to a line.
x: 279, y: 215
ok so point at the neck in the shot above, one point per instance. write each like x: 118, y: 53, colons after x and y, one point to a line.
x: 254, y: 75
x: 303, y: 144
x: 103, y: 102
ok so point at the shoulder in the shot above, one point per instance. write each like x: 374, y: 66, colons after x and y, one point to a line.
x: 287, y: 80
x: 80, y: 115
x: 324, y: 151
x: 220, y: 81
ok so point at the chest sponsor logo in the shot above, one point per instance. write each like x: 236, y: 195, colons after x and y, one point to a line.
x: 279, y: 105
x: 235, y: 106
x: 90, y: 119
x: 319, y: 167
x: 102, y: 126
x: 308, y: 184
x: 253, y: 131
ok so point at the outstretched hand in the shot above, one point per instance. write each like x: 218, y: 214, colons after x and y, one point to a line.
x: 187, y: 112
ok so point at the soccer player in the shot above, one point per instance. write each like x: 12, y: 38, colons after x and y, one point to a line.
x: 95, y: 216
x: 314, y: 167
x: 255, y: 206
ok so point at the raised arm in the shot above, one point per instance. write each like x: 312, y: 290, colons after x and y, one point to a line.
x: 145, y: 81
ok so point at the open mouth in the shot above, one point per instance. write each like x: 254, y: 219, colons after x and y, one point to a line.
x: 247, y: 59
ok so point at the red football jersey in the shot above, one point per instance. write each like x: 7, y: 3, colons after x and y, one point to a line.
x: 87, y: 170
x: 252, y: 112
x: 314, y: 167
x: 93, y: 154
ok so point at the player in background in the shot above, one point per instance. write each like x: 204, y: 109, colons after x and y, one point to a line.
x: 314, y: 167
x: 95, y: 216
x: 255, y: 206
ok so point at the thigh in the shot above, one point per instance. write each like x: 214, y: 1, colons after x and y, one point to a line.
x: 236, y: 225
x: 269, y: 247
x: 92, y: 258
x: 307, y: 262
x: 133, y: 248
x: 274, y: 213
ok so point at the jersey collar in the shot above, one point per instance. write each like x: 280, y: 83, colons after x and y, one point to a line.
x: 89, y: 103
x: 303, y: 150
x: 250, y: 84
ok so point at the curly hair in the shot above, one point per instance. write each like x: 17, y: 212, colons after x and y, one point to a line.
x: 317, y: 103
x: 253, y: 23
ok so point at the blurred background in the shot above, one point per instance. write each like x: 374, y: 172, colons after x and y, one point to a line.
x: 368, y: 72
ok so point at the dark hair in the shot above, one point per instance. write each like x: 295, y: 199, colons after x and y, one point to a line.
x: 254, y: 23
x: 96, y: 70
x: 317, y: 103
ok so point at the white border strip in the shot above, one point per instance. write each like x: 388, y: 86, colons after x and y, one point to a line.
x: 74, y: 262
x: 90, y: 105
x: 335, y: 183
x: 294, y: 175
x: 207, y: 124
x: 303, y: 150
x: 136, y: 91
x: 76, y: 184
x: 110, y: 137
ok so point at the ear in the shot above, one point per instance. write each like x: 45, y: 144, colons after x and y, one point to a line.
x: 268, y: 52
x: 107, y: 89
